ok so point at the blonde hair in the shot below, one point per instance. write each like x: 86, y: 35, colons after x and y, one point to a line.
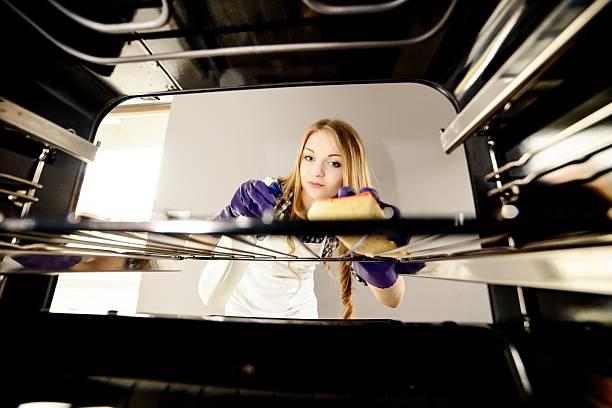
x: 356, y: 174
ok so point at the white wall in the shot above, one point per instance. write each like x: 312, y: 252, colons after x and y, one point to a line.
x: 217, y: 140
x: 119, y: 185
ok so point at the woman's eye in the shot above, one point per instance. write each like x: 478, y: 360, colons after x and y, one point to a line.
x: 335, y: 164
x: 308, y: 157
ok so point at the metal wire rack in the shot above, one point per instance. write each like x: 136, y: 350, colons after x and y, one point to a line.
x: 432, y: 239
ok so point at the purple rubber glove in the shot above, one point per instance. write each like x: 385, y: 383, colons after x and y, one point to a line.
x: 382, y: 274
x: 47, y: 262
x: 387, y: 208
x: 252, y: 199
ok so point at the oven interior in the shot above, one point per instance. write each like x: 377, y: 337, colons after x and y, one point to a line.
x: 531, y: 86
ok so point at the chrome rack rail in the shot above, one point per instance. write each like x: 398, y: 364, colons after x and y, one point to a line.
x: 119, y: 28
x: 18, y: 196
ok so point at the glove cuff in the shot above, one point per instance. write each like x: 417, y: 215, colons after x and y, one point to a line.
x: 224, y: 215
x: 381, y: 275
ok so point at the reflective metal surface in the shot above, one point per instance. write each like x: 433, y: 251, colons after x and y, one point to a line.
x: 543, y: 46
x: 578, y: 126
x: 579, y: 270
x: 581, y: 154
x: 252, y: 43
x: 576, y: 262
x: 494, y: 33
x: 46, y: 131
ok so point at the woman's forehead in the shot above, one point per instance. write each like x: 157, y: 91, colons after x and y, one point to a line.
x: 322, y: 141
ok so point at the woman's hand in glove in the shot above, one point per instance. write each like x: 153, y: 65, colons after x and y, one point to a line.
x: 382, y: 274
x: 252, y: 199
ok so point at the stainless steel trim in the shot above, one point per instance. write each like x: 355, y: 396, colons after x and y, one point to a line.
x: 243, y: 50
x: 47, y: 132
x: 490, y: 38
x: 576, y: 269
x: 579, y: 240
x: 164, y: 16
x: 322, y: 8
x: 540, y: 49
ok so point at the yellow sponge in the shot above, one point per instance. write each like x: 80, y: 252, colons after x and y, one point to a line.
x: 357, y: 207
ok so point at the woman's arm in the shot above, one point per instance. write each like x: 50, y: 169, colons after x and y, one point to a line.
x: 383, y: 280
x: 391, y: 296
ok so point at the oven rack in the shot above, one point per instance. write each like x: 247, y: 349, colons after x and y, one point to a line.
x: 433, y: 239
x: 578, y: 154
x: 258, y: 49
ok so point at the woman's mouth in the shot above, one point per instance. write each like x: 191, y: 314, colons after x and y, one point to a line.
x: 315, y: 185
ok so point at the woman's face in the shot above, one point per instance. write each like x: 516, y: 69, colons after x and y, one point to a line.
x: 320, y: 168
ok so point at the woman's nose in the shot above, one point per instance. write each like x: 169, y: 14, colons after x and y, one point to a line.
x: 316, y: 170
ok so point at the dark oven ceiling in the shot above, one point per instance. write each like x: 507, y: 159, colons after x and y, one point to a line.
x: 424, y: 40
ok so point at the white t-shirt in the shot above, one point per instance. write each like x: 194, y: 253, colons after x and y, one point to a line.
x: 278, y: 289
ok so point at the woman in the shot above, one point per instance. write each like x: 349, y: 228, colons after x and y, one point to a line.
x: 331, y: 161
